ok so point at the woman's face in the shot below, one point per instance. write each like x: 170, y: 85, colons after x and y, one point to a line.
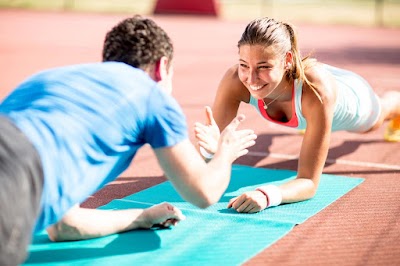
x: 260, y: 70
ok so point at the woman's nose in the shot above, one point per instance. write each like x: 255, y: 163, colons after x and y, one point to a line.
x: 252, y: 76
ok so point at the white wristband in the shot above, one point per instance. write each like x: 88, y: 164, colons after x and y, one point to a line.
x: 206, y: 154
x: 273, y: 194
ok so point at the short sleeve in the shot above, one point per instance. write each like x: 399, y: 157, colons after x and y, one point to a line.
x: 166, y: 124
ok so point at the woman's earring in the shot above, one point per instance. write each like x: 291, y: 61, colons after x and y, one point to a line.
x: 289, y: 66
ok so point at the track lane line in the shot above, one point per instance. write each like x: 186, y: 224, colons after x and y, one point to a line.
x: 328, y: 160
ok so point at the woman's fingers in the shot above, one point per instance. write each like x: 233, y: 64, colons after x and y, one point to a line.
x: 210, y: 117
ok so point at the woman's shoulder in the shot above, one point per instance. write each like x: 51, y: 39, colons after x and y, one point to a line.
x: 231, y: 73
x: 320, y: 81
x: 315, y: 72
x: 232, y: 84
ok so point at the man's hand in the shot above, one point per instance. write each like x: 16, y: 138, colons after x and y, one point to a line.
x: 162, y: 215
x: 235, y: 142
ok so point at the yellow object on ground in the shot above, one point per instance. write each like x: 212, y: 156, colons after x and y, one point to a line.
x: 392, y: 132
x: 302, y: 131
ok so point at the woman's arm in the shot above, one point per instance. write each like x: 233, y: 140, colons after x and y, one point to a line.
x: 314, y: 149
x: 81, y: 223
x: 230, y: 94
x: 316, y: 141
x: 313, y: 153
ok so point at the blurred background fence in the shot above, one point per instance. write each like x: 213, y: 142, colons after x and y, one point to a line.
x: 350, y: 12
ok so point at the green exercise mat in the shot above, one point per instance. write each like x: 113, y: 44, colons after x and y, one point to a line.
x: 213, y: 236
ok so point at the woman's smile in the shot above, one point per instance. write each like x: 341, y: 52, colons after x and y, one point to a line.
x: 256, y: 87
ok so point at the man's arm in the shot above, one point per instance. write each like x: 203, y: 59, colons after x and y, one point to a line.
x: 198, y: 182
x: 81, y: 223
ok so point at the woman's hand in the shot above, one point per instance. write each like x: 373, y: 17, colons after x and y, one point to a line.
x: 249, y: 202
x: 208, y: 134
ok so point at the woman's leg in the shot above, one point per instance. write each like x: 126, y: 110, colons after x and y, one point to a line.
x: 390, y: 104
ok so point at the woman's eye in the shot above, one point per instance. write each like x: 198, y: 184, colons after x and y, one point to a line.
x: 243, y: 66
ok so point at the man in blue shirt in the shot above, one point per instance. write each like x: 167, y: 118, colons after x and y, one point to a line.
x: 68, y: 131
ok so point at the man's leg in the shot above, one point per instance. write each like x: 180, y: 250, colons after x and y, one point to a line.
x: 21, y: 182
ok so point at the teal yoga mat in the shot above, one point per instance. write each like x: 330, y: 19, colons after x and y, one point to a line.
x: 214, y: 236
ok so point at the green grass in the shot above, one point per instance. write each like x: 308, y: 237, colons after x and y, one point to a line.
x: 355, y: 12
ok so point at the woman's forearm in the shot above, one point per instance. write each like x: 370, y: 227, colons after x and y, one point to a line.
x: 298, y: 189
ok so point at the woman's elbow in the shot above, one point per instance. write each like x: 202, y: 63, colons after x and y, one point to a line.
x: 311, y: 190
x: 306, y: 189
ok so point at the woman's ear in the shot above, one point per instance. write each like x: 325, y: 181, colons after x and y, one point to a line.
x: 289, y: 60
x: 161, y: 69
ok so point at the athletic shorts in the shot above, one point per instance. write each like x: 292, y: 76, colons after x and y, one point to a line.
x: 21, y: 184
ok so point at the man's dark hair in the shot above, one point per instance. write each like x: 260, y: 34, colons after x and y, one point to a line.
x: 138, y: 42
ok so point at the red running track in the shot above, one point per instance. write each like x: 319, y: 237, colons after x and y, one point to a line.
x: 361, y: 228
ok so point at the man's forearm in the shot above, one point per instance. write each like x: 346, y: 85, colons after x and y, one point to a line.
x: 81, y: 223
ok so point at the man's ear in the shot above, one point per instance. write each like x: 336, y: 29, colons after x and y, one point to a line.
x: 161, y: 69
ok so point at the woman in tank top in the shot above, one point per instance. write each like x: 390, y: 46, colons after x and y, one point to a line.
x: 295, y: 92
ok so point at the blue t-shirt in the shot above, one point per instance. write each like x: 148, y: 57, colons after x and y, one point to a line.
x: 87, y: 123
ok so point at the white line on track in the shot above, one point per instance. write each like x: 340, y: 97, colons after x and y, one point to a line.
x: 332, y: 161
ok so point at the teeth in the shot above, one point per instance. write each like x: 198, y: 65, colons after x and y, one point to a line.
x: 255, y: 88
